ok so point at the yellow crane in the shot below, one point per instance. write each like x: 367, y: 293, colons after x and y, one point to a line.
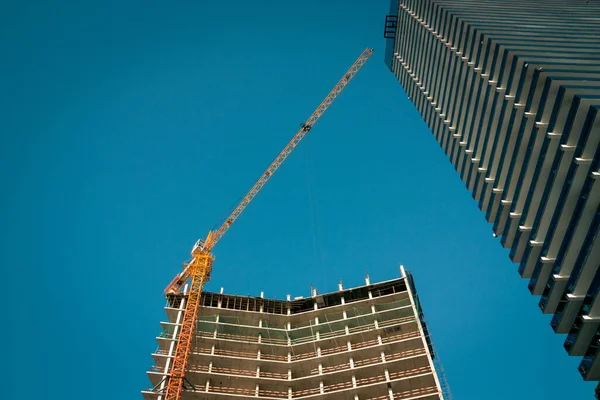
x: 200, y: 267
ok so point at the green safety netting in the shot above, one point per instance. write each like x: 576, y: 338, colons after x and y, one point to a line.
x: 392, y: 305
x: 225, y: 319
x: 212, y: 318
x: 361, y: 321
x: 301, y: 334
x: 274, y: 334
x: 331, y: 317
x: 388, y: 315
x: 205, y: 326
x: 269, y: 324
x: 356, y: 311
x: 303, y: 324
x: 167, y: 331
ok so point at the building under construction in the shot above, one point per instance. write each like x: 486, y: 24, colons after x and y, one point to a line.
x: 369, y: 342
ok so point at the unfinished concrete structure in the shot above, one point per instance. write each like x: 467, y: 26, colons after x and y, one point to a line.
x: 369, y: 342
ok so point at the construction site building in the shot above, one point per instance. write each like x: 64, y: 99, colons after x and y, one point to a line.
x: 369, y: 343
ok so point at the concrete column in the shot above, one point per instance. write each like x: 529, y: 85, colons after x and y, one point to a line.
x: 351, y: 363
x: 289, y: 357
x: 212, y: 350
x: 210, y: 365
x: 387, y: 375
x: 260, y: 323
x: 318, y: 335
x: 340, y: 286
x: 258, y: 354
x: 258, y: 371
x: 367, y: 280
x: 316, y: 320
x: 259, y: 337
x: 391, y: 393
x: 383, y: 356
x: 376, y: 324
x: 343, y: 300
x: 207, y: 385
x: 220, y: 301
x: 320, y: 369
x: 349, y: 345
x: 344, y: 312
x: 262, y: 294
x: 256, y: 390
x: 373, y: 309
x: 356, y: 397
x: 379, y: 340
x: 318, y: 351
x: 289, y: 374
x: 321, y: 389
x: 370, y: 294
x: 353, y: 381
x: 347, y: 330
x: 290, y: 393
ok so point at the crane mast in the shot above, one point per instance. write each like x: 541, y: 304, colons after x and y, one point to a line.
x: 200, y: 266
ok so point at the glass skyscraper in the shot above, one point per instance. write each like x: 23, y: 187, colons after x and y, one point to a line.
x: 511, y: 91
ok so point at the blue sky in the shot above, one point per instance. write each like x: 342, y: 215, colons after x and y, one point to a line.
x: 130, y: 128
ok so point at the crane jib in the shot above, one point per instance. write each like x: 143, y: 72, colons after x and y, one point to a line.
x: 310, y: 122
x: 200, y: 267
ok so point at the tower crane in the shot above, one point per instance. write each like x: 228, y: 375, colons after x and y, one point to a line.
x: 200, y: 266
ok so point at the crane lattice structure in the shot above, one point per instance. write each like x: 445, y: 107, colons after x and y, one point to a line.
x: 200, y: 267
